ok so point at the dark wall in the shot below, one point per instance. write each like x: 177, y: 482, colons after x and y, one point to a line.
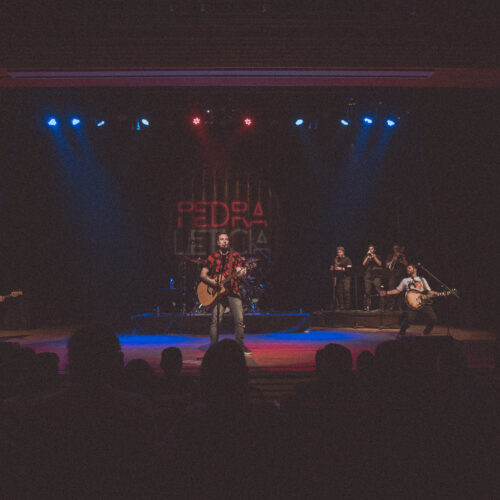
x: 83, y: 213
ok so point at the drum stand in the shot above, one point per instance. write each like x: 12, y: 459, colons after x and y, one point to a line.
x: 178, y: 317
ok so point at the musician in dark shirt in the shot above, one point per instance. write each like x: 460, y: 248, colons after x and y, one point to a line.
x: 373, y: 274
x: 341, y: 265
x: 396, y: 263
x: 414, y: 282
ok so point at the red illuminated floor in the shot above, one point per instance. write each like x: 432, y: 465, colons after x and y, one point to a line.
x: 272, y: 352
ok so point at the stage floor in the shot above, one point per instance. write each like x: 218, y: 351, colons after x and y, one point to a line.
x: 271, y: 351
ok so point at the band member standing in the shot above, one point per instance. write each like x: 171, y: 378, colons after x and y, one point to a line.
x: 396, y: 263
x: 373, y: 267
x: 341, y: 266
x: 414, y: 282
x: 226, y: 262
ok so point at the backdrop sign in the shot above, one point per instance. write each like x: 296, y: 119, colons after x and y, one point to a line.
x: 244, y: 207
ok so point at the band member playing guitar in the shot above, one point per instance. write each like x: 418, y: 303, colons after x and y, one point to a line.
x: 373, y: 277
x: 341, y: 265
x: 415, y: 283
x: 221, y: 272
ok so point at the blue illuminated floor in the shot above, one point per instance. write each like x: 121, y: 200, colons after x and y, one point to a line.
x: 272, y: 351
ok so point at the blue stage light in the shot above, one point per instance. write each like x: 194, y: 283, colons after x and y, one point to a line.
x: 145, y: 122
x: 52, y: 122
x: 100, y: 123
x: 390, y: 123
x: 75, y: 121
x: 344, y: 122
x: 368, y: 120
x: 299, y: 122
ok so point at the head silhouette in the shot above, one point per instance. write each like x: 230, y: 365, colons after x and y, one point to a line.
x: 171, y: 361
x: 140, y: 377
x: 333, y: 360
x: 94, y: 354
x: 224, y: 374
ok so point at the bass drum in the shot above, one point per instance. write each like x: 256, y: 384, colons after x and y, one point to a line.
x: 251, y: 291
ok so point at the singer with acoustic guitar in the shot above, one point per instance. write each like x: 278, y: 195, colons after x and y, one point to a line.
x: 220, y: 277
x: 417, y: 297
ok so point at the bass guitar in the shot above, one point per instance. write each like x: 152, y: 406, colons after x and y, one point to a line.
x: 416, y: 299
x: 207, y: 295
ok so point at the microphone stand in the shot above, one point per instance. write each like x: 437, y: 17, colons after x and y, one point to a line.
x: 262, y: 253
x: 217, y: 300
x: 445, y: 287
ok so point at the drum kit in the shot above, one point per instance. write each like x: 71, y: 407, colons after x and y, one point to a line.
x: 252, y: 286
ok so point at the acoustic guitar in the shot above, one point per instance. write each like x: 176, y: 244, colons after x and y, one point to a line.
x: 416, y: 299
x: 13, y: 294
x: 207, y: 295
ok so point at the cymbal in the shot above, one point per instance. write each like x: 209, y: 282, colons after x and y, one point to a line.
x: 198, y: 260
x: 251, y: 260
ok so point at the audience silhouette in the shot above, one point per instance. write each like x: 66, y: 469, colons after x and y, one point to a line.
x: 411, y: 421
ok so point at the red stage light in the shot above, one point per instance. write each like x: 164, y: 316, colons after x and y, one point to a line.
x: 196, y: 120
x: 247, y: 122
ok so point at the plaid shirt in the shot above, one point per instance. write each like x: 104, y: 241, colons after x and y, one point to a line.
x: 214, y: 266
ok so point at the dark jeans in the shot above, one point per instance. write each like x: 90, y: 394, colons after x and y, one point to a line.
x: 371, y: 283
x: 236, y: 307
x: 410, y: 316
x: 343, y: 292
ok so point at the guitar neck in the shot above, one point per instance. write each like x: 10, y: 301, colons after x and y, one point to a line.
x: 235, y: 274
x: 229, y: 278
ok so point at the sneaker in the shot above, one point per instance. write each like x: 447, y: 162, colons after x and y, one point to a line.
x: 367, y: 309
x: 246, y: 350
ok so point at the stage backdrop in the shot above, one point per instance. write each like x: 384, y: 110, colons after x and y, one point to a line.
x: 208, y: 199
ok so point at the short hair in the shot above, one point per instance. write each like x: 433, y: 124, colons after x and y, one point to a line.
x: 332, y: 360
x: 171, y: 360
x: 341, y: 248
x: 372, y: 245
x: 219, y: 233
x: 92, y: 351
x: 224, y: 373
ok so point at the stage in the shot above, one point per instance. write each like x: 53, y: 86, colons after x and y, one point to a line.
x: 197, y: 323
x: 272, y: 352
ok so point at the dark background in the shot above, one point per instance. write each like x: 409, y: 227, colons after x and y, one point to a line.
x: 84, y: 211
